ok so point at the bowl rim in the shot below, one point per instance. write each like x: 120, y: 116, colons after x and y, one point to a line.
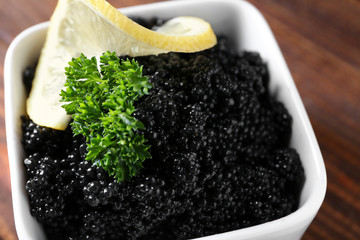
x: 309, y: 208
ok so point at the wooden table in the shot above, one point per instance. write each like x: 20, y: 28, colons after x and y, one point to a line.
x: 321, y: 44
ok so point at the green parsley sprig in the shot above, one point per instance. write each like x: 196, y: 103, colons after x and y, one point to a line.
x: 101, y: 104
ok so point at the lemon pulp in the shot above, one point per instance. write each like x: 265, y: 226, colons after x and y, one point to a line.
x: 93, y: 27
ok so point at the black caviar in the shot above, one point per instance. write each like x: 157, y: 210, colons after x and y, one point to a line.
x: 220, y: 157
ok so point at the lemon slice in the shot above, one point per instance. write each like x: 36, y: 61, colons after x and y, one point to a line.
x: 93, y: 27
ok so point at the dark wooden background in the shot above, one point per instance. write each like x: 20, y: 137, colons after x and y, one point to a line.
x: 321, y: 44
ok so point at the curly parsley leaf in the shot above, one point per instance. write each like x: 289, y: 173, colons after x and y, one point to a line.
x: 100, y: 100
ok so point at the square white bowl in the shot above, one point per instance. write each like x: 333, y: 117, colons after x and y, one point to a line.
x: 248, y: 29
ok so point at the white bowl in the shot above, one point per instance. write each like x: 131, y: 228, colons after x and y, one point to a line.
x: 250, y: 31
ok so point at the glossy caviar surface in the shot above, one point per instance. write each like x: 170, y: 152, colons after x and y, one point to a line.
x: 220, y: 157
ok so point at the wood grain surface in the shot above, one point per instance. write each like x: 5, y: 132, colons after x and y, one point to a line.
x: 321, y: 44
